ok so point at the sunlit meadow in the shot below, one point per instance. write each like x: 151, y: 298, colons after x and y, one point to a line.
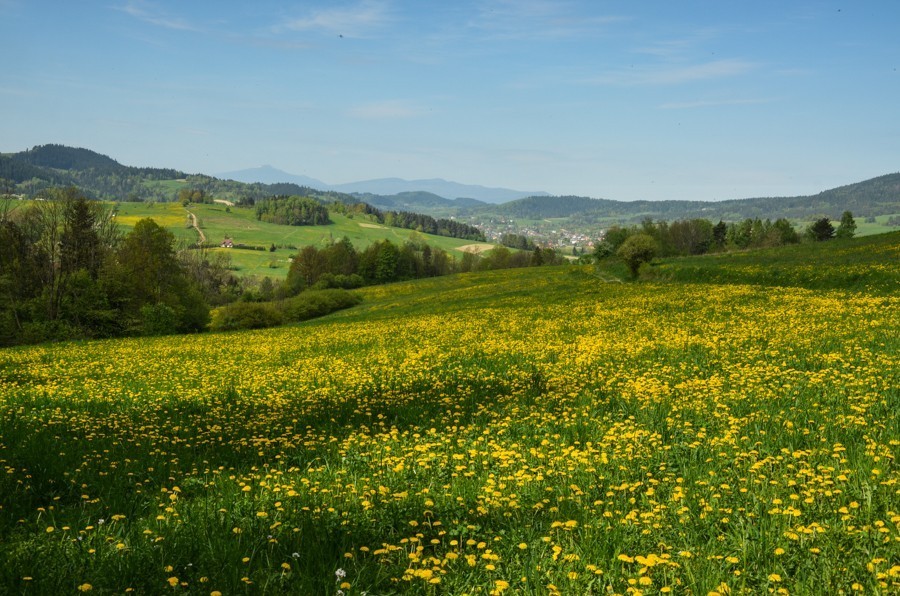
x: 522, y: 432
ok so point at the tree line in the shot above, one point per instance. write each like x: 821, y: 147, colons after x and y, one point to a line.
x: 449, y: 228
x: 341, y: 265
x: 66, y: 271
x: 292, y: 211
x: 636, y: 245
x: 517, y: 241
x: 699, y: 236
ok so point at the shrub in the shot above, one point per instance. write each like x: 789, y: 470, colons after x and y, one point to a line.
x: 256, y: 315
x: 346, y: 282
x: 316, y: 303
x: 158, y: 319
x: 245, y: 315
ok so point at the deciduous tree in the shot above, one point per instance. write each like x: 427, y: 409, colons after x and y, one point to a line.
x: 637, y: 250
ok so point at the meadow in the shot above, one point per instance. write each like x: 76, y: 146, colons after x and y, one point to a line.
x: 240, y: 224
x: 527, y: 431
x: 869, y: 264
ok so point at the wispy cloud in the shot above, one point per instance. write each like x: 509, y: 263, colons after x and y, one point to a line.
x: 709, y: 103
x: 683, y: 46
x: 674, y: 74
x: 151, y: 14
x: 394, y: 109
x: 537, y: 19
x: 354, y: 21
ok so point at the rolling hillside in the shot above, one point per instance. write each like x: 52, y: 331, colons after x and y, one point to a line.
x: 527, y: 431
x: 874, y: 197
x: 104, y: 178
x: 240, y: 224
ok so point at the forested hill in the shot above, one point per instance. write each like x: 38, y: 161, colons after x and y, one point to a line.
x: 60, y: 157
x: 877, y: 196
x: 101, y: 177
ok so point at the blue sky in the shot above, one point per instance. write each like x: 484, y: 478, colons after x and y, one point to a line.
x: 705, y: 100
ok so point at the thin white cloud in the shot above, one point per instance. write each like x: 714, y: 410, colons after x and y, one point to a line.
x: 674, y: 75
x: 537, y: 19
x: 354, y: 21
x: 709, y: 103
x: 677, y: 49
x: 151, y: 14
x: 393, y: 109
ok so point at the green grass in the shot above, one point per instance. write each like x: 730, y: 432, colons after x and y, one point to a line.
x: 241, y: 225
x: 869, y: 263
x: 167, y: 188
x: 171, y: 216
x: 531, y: 427
x: 879, y: 226
x: 218, y: 222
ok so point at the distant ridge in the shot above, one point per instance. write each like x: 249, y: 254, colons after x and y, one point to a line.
x: 445, y: 189
x: 271, y: 175
x: 99, y: 176
x: 419, y: 202
x: 437, y: 186
x: 876, y: 196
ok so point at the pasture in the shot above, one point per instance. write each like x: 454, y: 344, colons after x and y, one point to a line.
x: 529, y: 431
x: 240, y: 224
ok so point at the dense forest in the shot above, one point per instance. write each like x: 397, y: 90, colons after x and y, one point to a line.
x: 429, y: 225
x: 292, y: 211
x: 66, y: 272
x: 49, y: 166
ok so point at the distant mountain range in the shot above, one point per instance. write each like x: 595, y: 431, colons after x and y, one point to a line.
x: 270, y: 175
x: 385, y: 186
x: 99, y: 176
x: 876, y: 196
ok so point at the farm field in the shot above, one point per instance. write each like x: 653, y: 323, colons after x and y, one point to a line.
x: 527, y: 431
x: 242, y: 226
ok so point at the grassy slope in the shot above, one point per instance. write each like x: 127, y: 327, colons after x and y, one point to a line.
x: 586, y: 437
x: 869, y: 262
x: 242, y: 226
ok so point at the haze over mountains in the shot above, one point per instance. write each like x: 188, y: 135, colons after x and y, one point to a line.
x: 384, y: 186
x: 27, y: 173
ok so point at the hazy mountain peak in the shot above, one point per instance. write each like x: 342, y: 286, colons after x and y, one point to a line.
x: 267, y: 174
x: 446, y: 189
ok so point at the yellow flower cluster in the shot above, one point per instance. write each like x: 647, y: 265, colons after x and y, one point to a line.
x: 534, y: 433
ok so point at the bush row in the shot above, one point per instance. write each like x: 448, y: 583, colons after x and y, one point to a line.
x: 305, y: 306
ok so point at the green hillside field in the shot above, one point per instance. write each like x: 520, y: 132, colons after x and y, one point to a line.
x: 525, y: 431
x: 240, y: 224
x: 870, y: 263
